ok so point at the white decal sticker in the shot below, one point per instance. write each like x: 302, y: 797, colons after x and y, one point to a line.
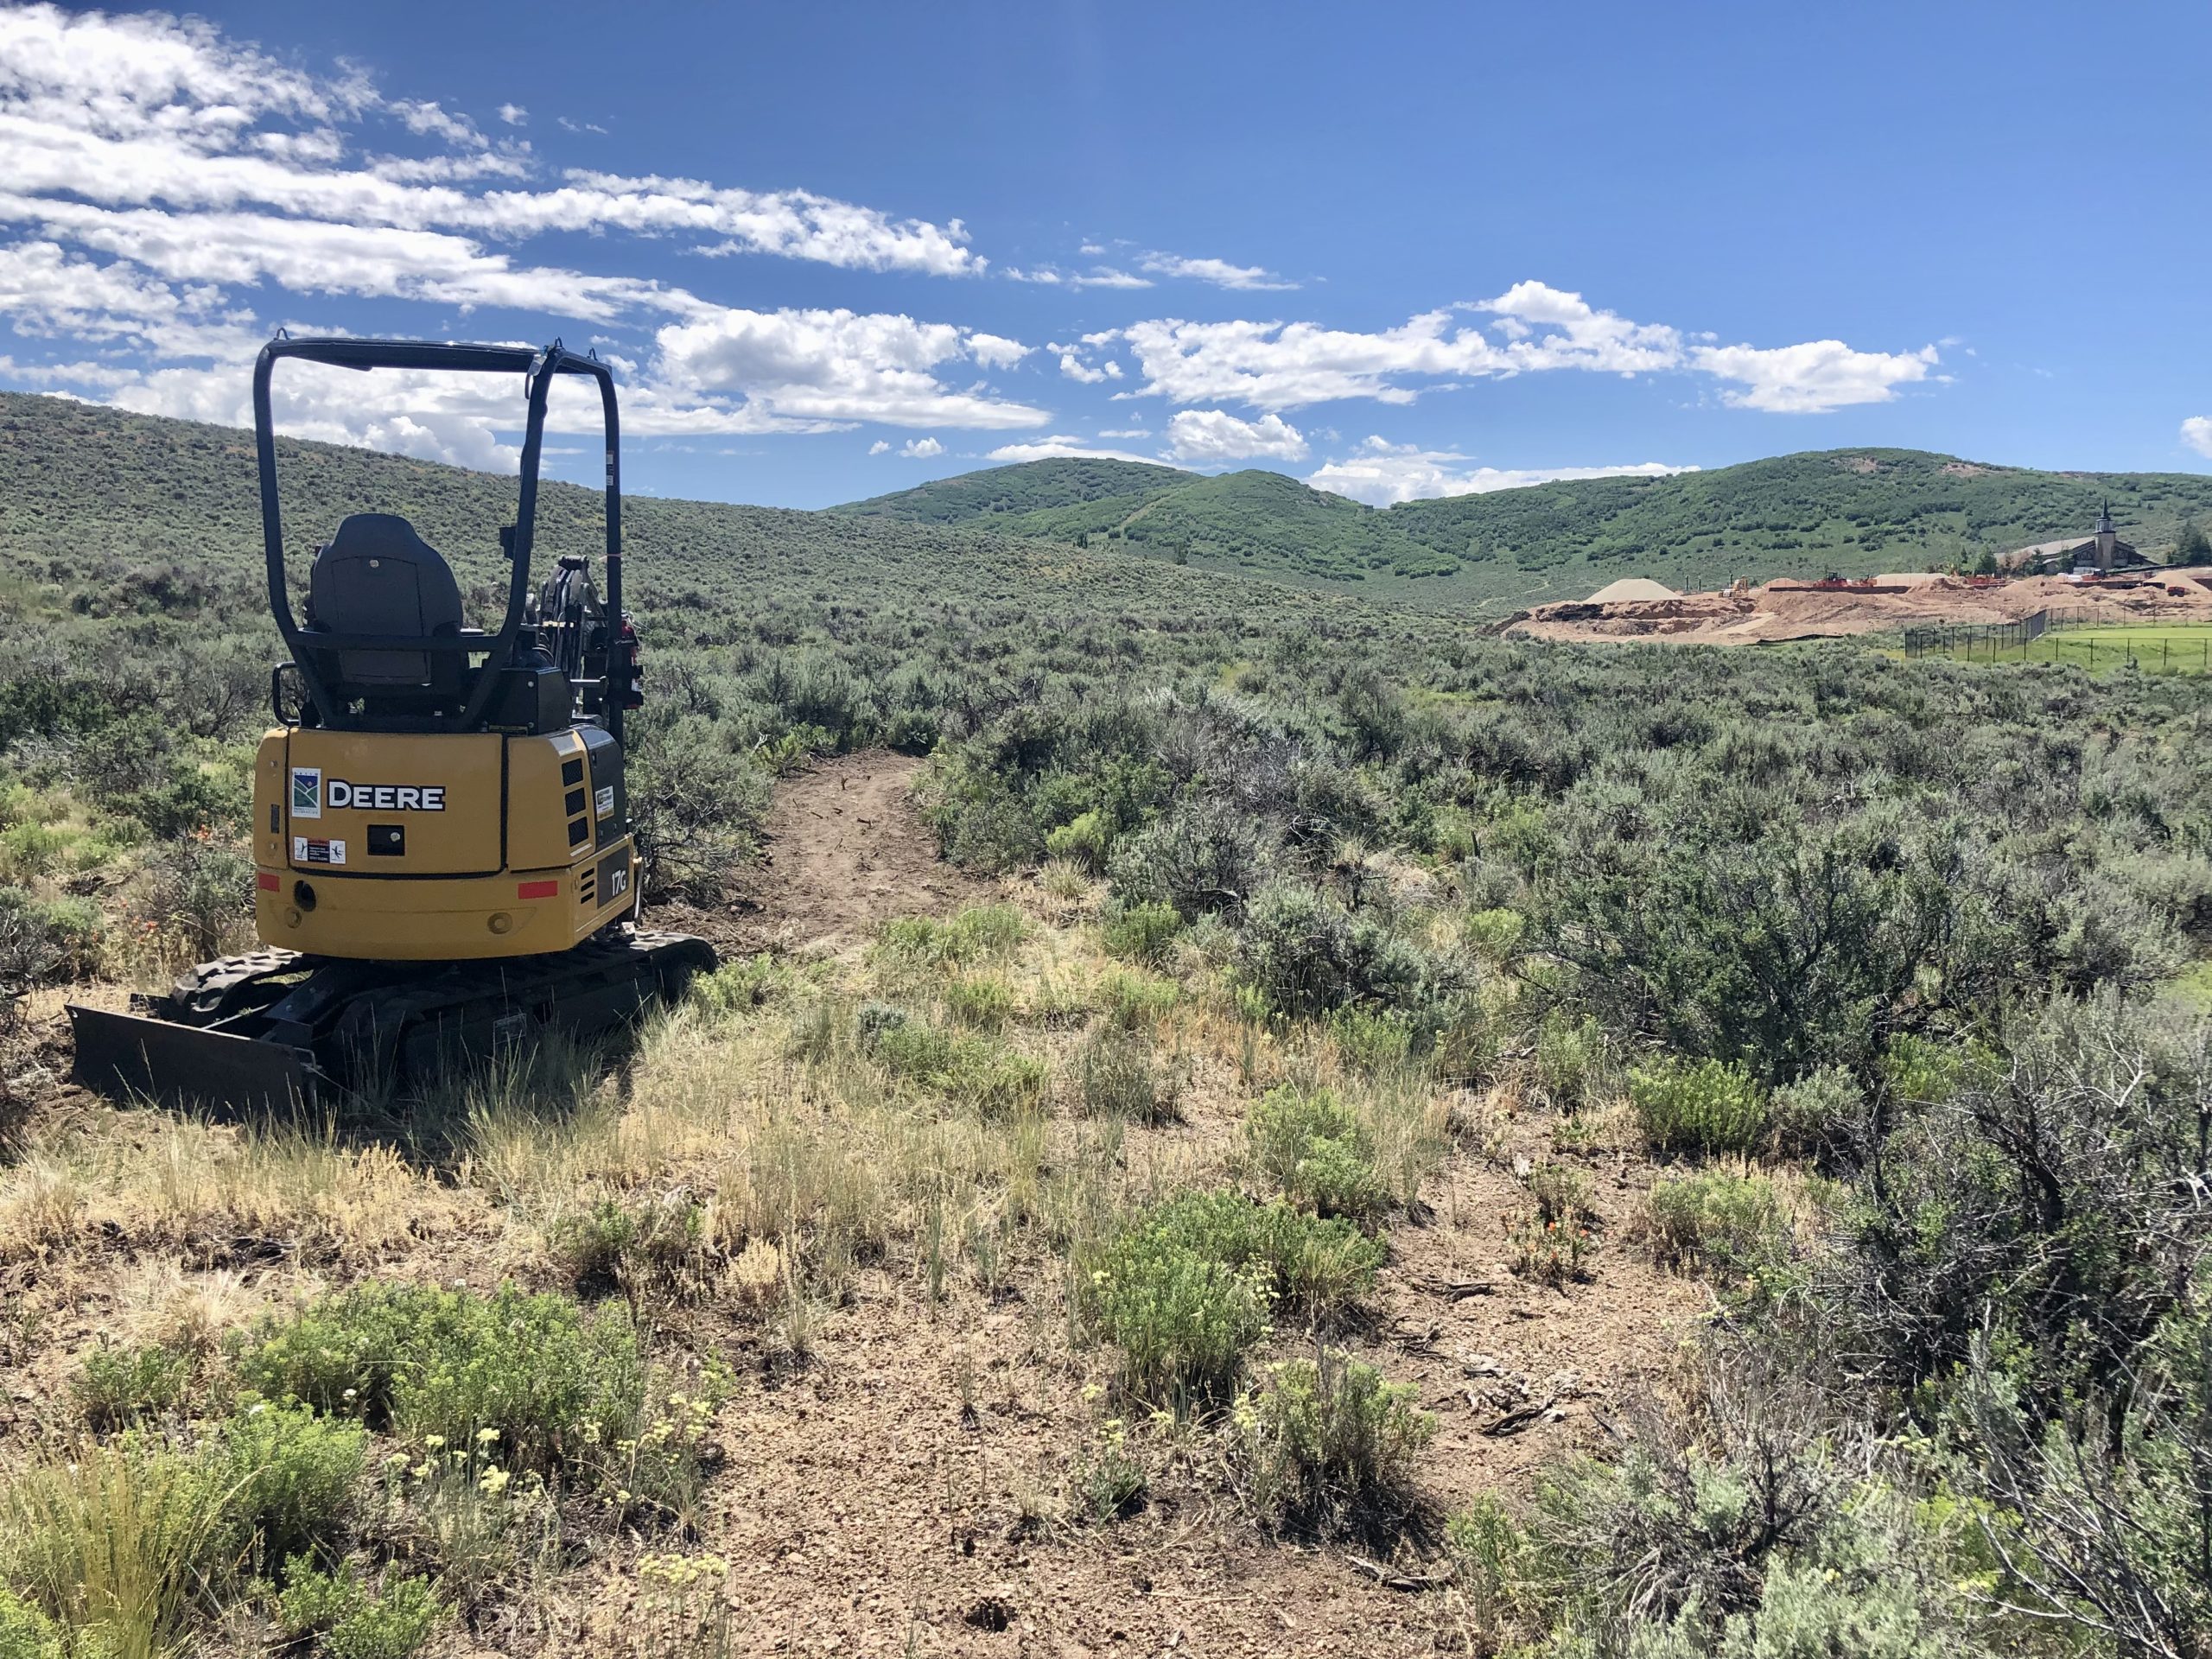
x: 604, y: 801
x: 307, y: 792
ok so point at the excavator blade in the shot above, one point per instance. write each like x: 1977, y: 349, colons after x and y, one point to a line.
x: 127, y: 1056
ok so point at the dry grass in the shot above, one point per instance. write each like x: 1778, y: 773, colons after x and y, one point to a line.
x: 178, y: 1181
x: 817, y: 1184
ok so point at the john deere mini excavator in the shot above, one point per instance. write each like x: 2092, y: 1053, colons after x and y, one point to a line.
x: 442, y: 848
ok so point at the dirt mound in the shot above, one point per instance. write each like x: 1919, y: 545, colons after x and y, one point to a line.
x: 846, y: 851
x: 1631, y: 587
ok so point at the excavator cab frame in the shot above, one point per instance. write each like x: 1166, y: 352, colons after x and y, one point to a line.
x: 309, y: 648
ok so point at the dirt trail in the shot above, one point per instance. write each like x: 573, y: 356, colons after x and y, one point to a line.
x: 846, y: 851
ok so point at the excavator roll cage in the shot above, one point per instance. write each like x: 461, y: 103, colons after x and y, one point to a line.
x: 313, y: 648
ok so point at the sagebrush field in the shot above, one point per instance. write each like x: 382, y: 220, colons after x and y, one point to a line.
x: 1234, y: 1119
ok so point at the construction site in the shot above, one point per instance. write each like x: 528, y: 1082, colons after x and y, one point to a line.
x: 1637, y: 609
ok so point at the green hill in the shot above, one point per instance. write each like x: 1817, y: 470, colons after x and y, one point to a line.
x: 103, y: 504
x: 1022, y: 496
x: 1857, y: 511
x: 104, y: 514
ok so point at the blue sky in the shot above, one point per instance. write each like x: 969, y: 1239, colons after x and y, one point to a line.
x: 1393, y: 250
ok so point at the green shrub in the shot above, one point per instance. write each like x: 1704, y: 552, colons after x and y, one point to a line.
x: 120, y: 1385
x: 290, y: 1477
x: 1086, y: 839
x: 1185, y: 1287
x: 1306, y: 955
x: 1375, y: 1040
x: 1698, y: 1106
x: 1141, y: 932
x: 1317, y: 1150
x: 1923, y: 1073
x: 985, y: 1001
x: 1334, y: 1441
x: 964, y: 1066
x: 1761, y: 1547
x: 743, y: 984
x: 25, y: 1632
x: 1495, y: 935
x: 1716, y: 1219
x: 202, y: 893
x: 1109, y: 1482
x: 350, y: 1619
x: 33, y: 849
x: 978, y: 931
x: 1570, y: 1060
x: 1492, y: 1553
x: 47, y: 940
x: 548, y: 1378
x: 912, y: 731
x: 1183, y: 1321
x: 1203, y: 855
x: 1122, y: 1078
x: 116, y: 1541
x: 1131, y: 1000
x: 651, y: 1244
x: 1821, y: 1114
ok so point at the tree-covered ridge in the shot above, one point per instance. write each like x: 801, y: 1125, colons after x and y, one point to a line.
x: 1853, y: 513
x: 1852, y: 510
x: 1021, y: 491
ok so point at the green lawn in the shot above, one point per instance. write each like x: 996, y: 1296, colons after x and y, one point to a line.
x: 2174, y: 648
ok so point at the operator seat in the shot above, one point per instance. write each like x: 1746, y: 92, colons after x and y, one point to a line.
x: 375, y: 575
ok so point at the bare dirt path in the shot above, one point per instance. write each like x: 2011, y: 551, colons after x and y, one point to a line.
x: 846, y: 851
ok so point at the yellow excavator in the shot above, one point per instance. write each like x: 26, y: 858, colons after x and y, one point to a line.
x: 444, y: 865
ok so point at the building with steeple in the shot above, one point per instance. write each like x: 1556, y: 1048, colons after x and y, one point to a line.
x: 2102, y: 555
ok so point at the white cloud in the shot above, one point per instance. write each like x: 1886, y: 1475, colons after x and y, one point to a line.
x: 1203, y: 435
x: 154, y: 111
x: 1123, y: 432
x: 322, y: 256
x: 1579, y: 335
x: 1073, y: 366
x: 1819, y: 375
x: 514, y: 115
x: 424, y: 116
x: 1380, y: 473
x: 1219, y: 272
x: 879, y: 448
x: 1062, y: 447
x: 831, y: 366
x: 1096, y: 276
x: 995, y: 351
x: 921, y: 449
x: 1276, y: 366
x: 164, y: 182
x: 2197, y: 432
x: 569, y: 125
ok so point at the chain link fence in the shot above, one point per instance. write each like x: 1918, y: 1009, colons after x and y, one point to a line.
x: 2043, y: 638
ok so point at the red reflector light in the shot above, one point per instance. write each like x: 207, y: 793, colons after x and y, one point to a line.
x: 265, y: 879
x: 538, y: 890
